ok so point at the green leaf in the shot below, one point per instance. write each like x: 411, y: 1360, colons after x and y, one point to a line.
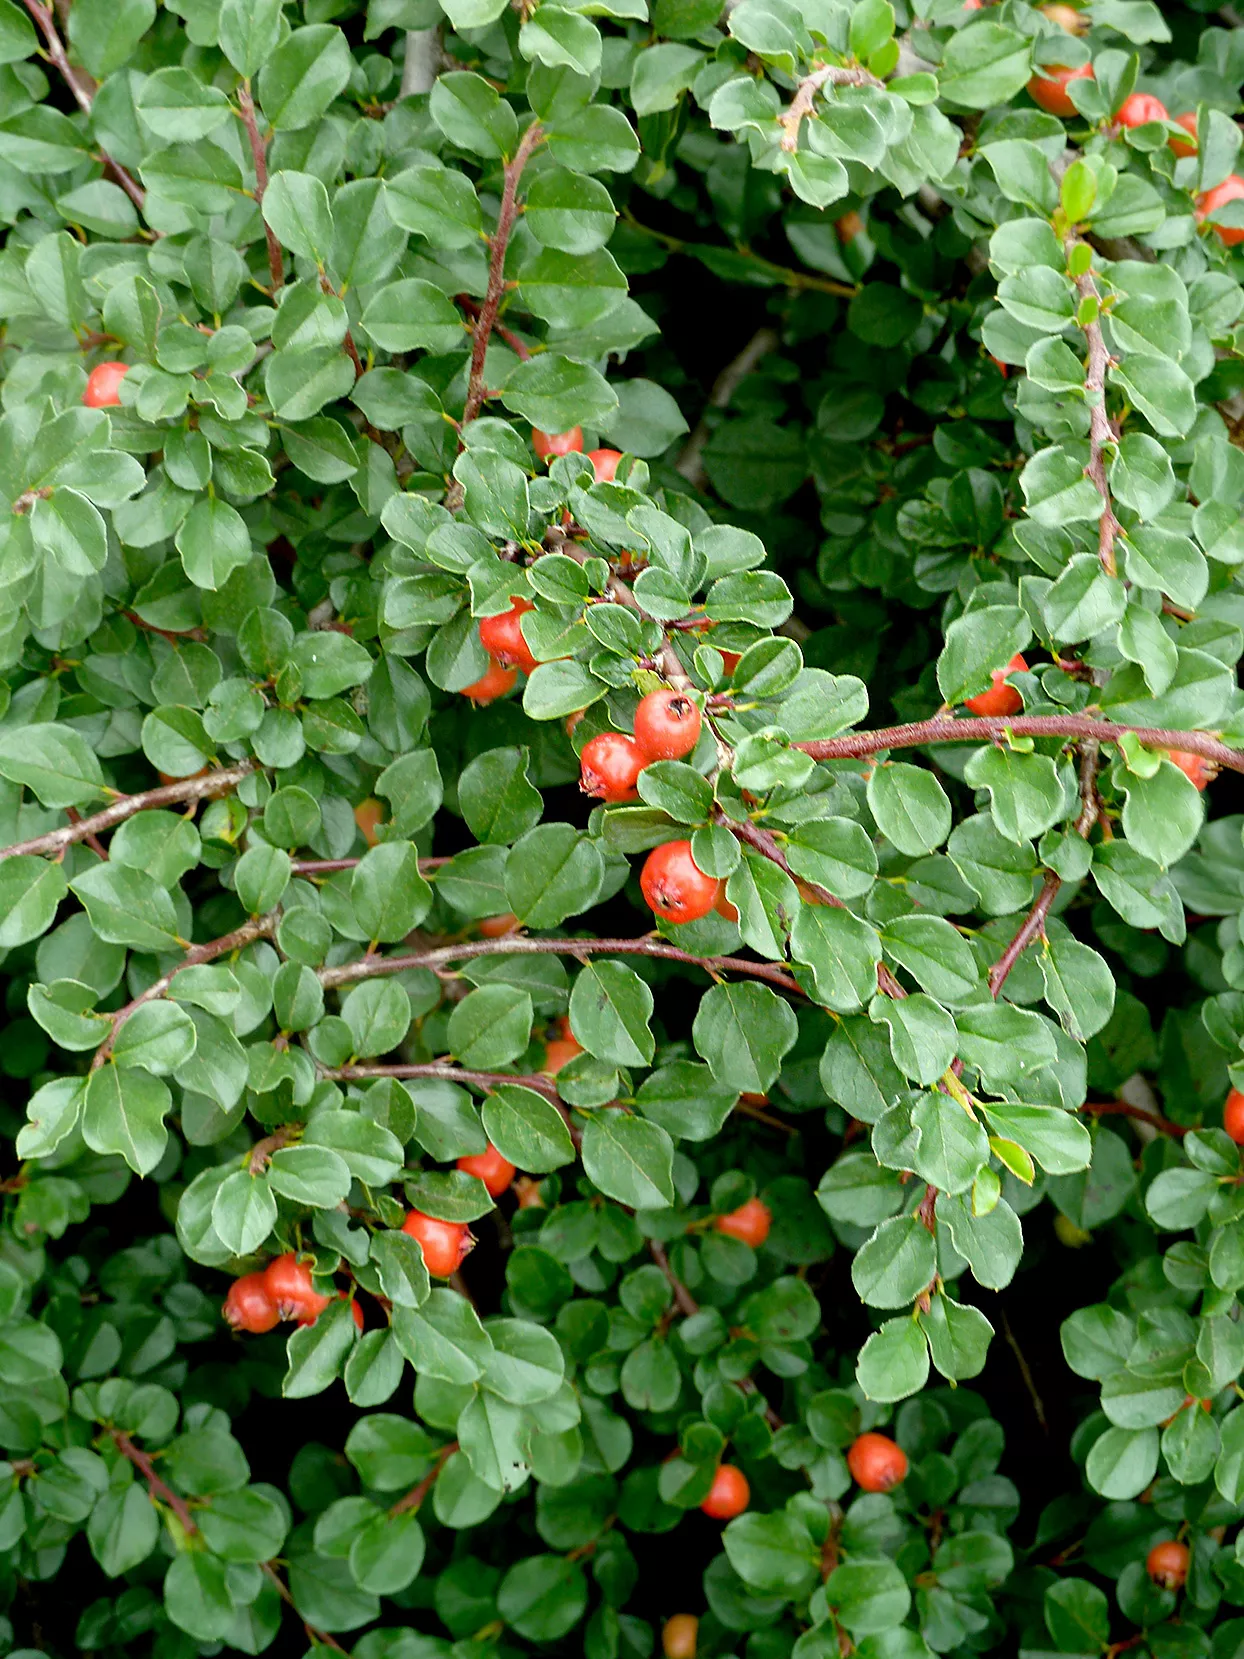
x: 629, y: 1159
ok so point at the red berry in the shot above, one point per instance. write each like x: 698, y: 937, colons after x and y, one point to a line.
x: 728, y: 1496
x: 972, y: 5
x: 356, y: 1312
x: 1000, y: 699
x: 1233, y: 1116
x: 1230, y: 190
x: 502, y: 637
x: 446, y: 1244
x: 679, y: 1638
x: 103, y: 385
x: 289, y: 1284
x: 667, y: 725
x: 609, y: 765
x: 496, y: 927
x: 605, y: 463
x: 249, y: 1305
x: 558, y: 1053
x: 674, y: 886
x: 876, y: 1463
x: 557, y: 443
x: 1140, y: 107
x: 492, y: 1169
x: 491, y: 685
x: 1181, y: 146
x: 730, y: 660
x: 1167, y: 1564
x: 723, y: 907
x: 1194, y: 767
x: 750, y: 1222
x: 1050, y: 89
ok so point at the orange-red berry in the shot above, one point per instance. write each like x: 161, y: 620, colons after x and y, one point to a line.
x: 679, y: 1638
x: 289, y: 1284
x: 1001, y: 698
x: 876, y: 1463
x: 1140, y: 107
x: 1049, y: 90
x: 249, y: 1305
x: 1194, y: 767
x: 1230, y: 190
x: 1181, y: 146
x: 546, y: 444
x: 604, y: 463
x: 491, y: 1168
x: 750, y: 1223
x: 667, y: 724
x: 1233, y: 1116
x: 1167, y: 1564
x: 103, y: 385
x: 502, y: 637
x: 558, y: 1053
x: 674, y: 886
x: 610, y: 765
x: 729, y: 1494
x: 494, y: 683
x: 445, y: 1244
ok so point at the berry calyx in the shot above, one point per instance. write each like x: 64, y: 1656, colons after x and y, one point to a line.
x: 750, y: 1223
x: 1001, y: 698
x: 1050, y: 89
x: 610, y: 765
x: 527, y: 1191
x: 1195, y: 768
x: 557, y: 443
x: 667, y: 724
x: 605, y: 464
x: 491, y: 1168
x: 851, y: 225
x: 249, y: 1305
x: 1233, y: 1116
x: 445, y: 1244
x: 367, y: 815
x: 1140, y: 107
x: 288, y: 1280
x: 502, y: 637
x: 1167, y: 1564
x: 103, y: 385
x: 678, y: 1639
x: 1181, y: 146
x: 876, y: 1463
x: 1230, y: 190
x: 496, y: 682
x: 558, y: 1053
x: 729, y: 1494
x: 674, y: 886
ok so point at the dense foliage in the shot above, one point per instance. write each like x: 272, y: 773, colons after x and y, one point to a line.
x: 906, y: 348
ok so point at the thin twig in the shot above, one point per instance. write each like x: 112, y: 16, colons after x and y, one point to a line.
x: 157, y: 1488
x: 1024, y: 1371
x: 282, y: 1590
x: 1100, y: 434
x: 445, y: 1070
x: 1033, y: 924
x: 419, y: 1492
x: 125, y: 806
x: 1124, y: 1108
x: 92, y: 840
x: 370, y: 967
x: 259, y: 155
x: 803, y: 103
x: 985, y: 729
x: 262, y: 1150
x: 259, y: 927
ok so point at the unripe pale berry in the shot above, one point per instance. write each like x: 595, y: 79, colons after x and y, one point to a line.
x: 1167, y: 1564
x: 729, y: 1494
x: 491, y: 1168
x: 876, y: 1463
x: 446, y: 1244
x: 103, y: 385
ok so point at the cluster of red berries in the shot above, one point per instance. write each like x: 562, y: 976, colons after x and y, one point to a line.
x: 549, y: 445
x: 283, y: 1290
x: 875, y: 1462
x: 667, y: 727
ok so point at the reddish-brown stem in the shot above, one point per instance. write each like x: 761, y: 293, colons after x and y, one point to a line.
x: 443, y: 1069
x: 313, y: 1635
x: 260, y: 927
x: 1034, y: 923
x: 1124, y: 1108
x: 125, y: 806
x: 326, y: 866
x: 684, y: 1300
x: 259, y: 155
x: 83, y: 89
x: 165, y: 633
x: 92, y: 840
x: 499, y: 243
x: 473, y: 307
x: 990, y: 729
x: 927, y: 1211
x: 369, y: 967
x: 157, y: 1488
x: 1100, y: 434
x: 419, y: 1492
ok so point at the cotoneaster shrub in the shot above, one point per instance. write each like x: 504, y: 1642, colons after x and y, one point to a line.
x: 618, y: 624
